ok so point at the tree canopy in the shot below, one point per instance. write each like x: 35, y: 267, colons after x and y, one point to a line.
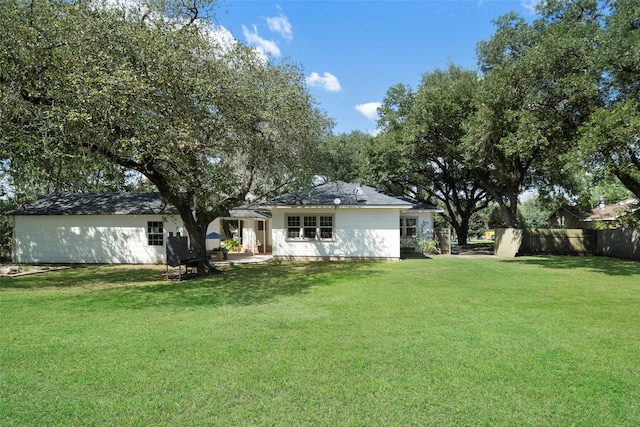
x: 539, y: 87
x: 153, y: 90
x: 426, y: 130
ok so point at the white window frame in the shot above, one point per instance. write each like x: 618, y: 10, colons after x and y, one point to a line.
x: 310, y: 228
x: 404, y: 227
x: 155, y: 233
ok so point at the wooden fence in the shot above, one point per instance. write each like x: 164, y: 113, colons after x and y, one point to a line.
x: 618, y: 243
x: 558, y: 242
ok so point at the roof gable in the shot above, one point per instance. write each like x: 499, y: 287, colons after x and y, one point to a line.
x: 98, y: 204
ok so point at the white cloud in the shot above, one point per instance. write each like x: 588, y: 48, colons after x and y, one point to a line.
x: 262, y: 45
x: 222, y: 37
x: 369, y: 110
x: 281, y: 25
x: 530, y: 5
x: 327, y: 81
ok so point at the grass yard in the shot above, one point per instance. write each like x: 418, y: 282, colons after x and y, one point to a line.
x: 442, y: 341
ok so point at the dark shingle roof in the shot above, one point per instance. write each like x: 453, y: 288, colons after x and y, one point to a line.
x: 98, y: 204
x: 251, y: 210
x: 349, y: 194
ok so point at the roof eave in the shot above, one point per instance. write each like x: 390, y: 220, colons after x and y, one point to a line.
x: 332, y: 206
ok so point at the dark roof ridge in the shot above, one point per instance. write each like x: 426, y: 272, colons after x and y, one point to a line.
x: 113, y: 203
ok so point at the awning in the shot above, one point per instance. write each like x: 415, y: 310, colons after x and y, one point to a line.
x: 214, y: 235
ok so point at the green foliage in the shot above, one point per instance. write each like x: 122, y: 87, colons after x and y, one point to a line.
x: 611, y: 142
x: 479, y: 223
x: 630, y: 220
x: 231, y: 245
x: 420, y: 150
x: 6, y: 230
x: 426, y: 241
x: 534, y: 213
x: 495, y: 219
x: 539, y: 87
x: 427, y: 246
x: 344, y: 157
x: 599, y: 225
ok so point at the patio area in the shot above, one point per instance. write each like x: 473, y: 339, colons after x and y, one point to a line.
x: 243, y: 258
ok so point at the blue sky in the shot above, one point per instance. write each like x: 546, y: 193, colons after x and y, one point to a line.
x: 352, y: 52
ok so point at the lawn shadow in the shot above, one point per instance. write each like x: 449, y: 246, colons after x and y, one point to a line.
x: 605, y: 265
x: 85, y: 275
x: 241, y: 285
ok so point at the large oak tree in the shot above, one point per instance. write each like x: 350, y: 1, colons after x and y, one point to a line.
x: 154, y: 90
x: 611, y: 139
x: 539, y: 87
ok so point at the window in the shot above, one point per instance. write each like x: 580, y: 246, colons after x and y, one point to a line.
x: 316, y: 227
x: 293, y: 227
x: 155, y: 233
x: 260, y: 225
x: 326, y: 227
x: 408, y: 227
x: 310, y: 227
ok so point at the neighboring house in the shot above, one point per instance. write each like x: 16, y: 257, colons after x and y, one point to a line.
x: 571, y: 217
x: 340, y: 220
x: 567, y: 217
x: 111, y: 228
x: 330, y: 221
x: 610, y: 213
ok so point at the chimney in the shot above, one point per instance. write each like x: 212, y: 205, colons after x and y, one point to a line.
x: 602, y: 202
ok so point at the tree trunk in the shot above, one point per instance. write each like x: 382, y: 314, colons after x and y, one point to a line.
x: 463, y: 231
x: 509, y: 212
x: 197, y: 239
x: 628, y: 181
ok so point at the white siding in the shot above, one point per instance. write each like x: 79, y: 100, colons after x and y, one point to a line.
x: 359, y: 233
x: 101, y: 239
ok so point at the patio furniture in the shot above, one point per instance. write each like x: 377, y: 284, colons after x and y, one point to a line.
x: 179, y: 254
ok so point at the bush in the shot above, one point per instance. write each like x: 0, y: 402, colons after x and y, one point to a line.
x: 428, y: 246
x: 231, y: 245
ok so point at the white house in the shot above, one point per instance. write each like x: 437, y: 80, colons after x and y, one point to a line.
x: 110, y: 228
x: 340, y: 220
x: 330, y: 222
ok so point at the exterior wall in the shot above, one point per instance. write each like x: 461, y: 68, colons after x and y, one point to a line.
x: 100, y: 239
x: 425, y: 229
x: 360, y: 233
x: 564, y: 219
x: 254, y: 240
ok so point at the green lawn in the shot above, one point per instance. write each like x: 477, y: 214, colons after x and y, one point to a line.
x: 442, y: 341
